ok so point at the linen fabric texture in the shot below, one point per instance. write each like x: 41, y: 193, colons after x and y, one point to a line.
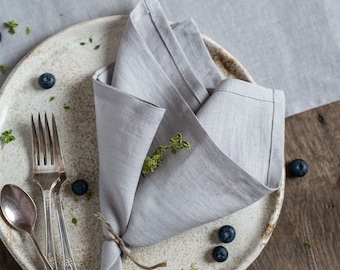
x: 290, y: 45
x: 163, y: 82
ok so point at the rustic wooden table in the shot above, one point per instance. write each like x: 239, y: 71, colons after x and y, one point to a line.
x: 307, y: 235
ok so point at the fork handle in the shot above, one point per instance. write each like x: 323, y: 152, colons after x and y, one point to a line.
x: 50, y: 251
x: 68, y: 261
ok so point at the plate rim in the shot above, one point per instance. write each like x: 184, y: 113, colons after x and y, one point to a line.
x: 221, y: 51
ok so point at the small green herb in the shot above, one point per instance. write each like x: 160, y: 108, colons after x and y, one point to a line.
x: 63, y: 206
x: 3, y: 69
x: 90, y: 39
x: 177, y: 143
x: 82, y: 43
x: 66, y: 107
x: 28, y: 30
x: 12, y: 27
x: 51, y: 98
x: 97, y: 47
x: 74, y: 221
x: 155, y: 160
x: 6, y: 137
x: 309, y: 244
x: 89, y: 196
x: 192, y: 267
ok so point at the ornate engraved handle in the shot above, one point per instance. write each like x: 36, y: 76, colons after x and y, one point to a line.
x: 50, y: 251
x: 68, y: 261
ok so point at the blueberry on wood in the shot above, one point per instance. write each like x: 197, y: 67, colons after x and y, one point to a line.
x: 298, y: 168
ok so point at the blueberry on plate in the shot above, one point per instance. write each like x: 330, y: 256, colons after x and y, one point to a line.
x: 226, y: 234
x: 46, y: 80
x: 220, y: 254
x: 298, y: 168
x: 79, y: 187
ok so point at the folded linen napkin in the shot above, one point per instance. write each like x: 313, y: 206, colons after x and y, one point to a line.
x: 163, y: 82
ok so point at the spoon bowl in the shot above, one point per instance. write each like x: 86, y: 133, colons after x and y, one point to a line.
x: 18, y: 208
x: 20, y: 211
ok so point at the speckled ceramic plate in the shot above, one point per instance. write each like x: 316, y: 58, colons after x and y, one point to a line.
x: 73, y: 65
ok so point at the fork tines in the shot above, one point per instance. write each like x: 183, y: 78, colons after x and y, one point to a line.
x: 43, y: 145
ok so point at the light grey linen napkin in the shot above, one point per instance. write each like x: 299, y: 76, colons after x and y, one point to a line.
x: 164, y: 82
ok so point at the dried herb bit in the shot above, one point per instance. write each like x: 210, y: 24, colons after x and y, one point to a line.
x: 28, y: 30
x: 74, y: 221
x: 97, y: 47
x: 51, y: 98
x: 309, y: 244
x: 82, y: 43
x: 3, y: 69
x: 192, y: 267
x: 90, y: 40
x: 12, y: 27
x: 155, y: 160
x: 151, y: 163
x: 6, y: 137
x: 89, y: 196
x: 66, y: 107
x: 177, y: 143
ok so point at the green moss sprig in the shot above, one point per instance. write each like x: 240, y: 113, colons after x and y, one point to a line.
x: 28, y: 30
x: 155, y: 160
x: 12, y: 27
x: 74, y: 221
x: 308, y: 244
x: 3, y: 69
x: 192, y: 267
x: 6, y: 137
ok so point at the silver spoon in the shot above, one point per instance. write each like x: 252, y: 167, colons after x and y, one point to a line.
x: 20, y: 211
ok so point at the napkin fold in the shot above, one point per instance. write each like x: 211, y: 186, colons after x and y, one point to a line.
x: 163, y: 82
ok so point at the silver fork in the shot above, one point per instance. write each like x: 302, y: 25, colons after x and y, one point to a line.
x: 45, y: 174
x: 68, y: 261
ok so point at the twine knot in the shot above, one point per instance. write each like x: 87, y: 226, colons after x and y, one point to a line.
x: 120, y: 242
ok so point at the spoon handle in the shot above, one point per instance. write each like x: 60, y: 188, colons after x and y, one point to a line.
x: 46, y: 263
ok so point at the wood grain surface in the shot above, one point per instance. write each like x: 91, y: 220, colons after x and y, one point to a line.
x: 307, y: 235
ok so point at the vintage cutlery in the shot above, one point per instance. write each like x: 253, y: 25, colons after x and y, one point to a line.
x: 68, y: 261
x: 46, y: 175
x: 20, y: 211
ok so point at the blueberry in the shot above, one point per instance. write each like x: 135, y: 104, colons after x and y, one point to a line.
x: 79, y: 187
x: 46, y: 80
x: 220, y: 254
x: 226, y: 233
x: 298, y: 168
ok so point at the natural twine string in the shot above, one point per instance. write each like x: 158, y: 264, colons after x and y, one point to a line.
x: 119, y: 241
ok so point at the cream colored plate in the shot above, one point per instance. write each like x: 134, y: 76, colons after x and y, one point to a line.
x: 73, y: 65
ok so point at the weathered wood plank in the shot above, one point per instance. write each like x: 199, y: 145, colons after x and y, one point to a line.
x: 6, y: 260
x: 307, y: 235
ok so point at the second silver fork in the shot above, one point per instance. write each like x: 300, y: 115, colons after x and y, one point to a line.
x: 68, y: 261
